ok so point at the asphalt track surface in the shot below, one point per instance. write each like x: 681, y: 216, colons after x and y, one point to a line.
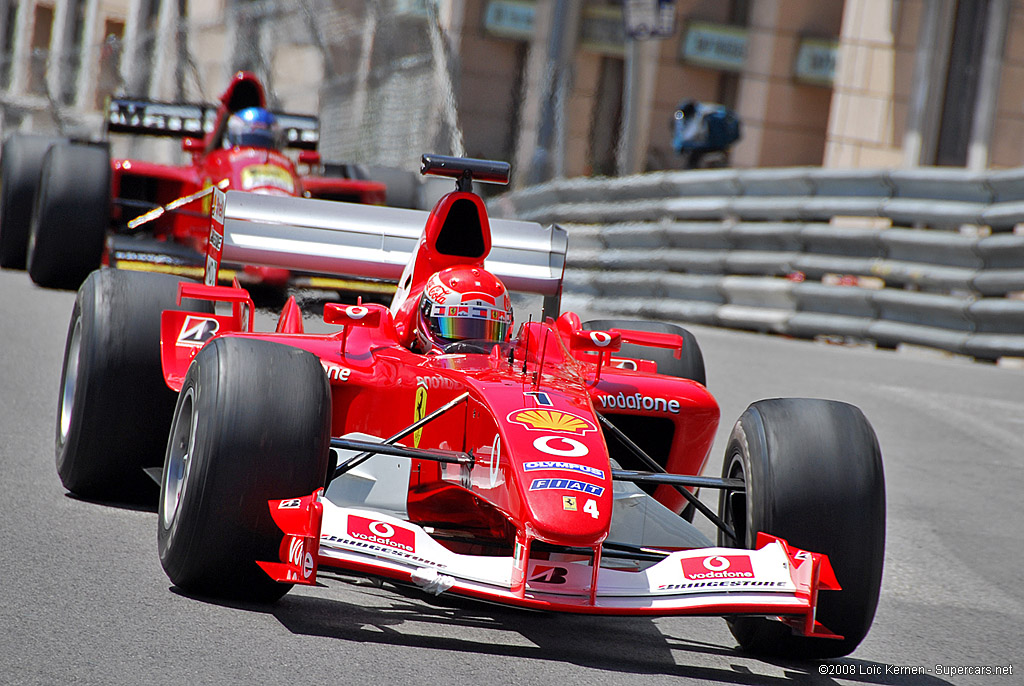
x: 83, y: 598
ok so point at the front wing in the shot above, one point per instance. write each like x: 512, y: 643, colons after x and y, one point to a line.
x: 774, y: 580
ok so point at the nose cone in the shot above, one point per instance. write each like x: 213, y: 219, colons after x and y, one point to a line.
x: 563, y: 474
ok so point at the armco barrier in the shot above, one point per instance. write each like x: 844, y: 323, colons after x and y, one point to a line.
x: 927, y: 256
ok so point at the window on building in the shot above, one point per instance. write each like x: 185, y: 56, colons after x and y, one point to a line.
x: 961, y: 83
x: 607, y: 117
x: 728, y: 81
x: 109, y: 78
x: 42, y: 30
x: 72, y: 59
x: 139, y: 72
x: 7, y: 45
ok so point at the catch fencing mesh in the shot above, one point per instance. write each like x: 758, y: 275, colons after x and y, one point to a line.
x: 379, y: 73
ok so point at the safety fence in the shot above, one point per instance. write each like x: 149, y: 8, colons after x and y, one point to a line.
x: 379, y: 74
x: 925, y: 256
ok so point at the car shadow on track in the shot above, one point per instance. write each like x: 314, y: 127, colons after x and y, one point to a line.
x: 395, y: 615
x: 144, y: 504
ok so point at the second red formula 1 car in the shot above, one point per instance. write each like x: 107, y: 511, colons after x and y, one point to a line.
x: 66, y: 206
x: 551, y: 467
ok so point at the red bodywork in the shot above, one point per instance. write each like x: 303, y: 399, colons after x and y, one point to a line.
x: 539, y: 493
x: 137, y: 186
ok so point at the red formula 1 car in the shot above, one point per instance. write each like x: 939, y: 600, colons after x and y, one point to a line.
x: 66, y: 206
x: 426, y: 445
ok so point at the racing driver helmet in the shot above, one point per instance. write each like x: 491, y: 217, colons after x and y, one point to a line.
x: 253, y: 127
x: 463, y: 303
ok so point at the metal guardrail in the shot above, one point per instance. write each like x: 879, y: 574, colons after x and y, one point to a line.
x: 925, y: 256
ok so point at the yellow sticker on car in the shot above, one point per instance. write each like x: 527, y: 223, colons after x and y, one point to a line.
x: 419, y: 412
x: 267, y: 176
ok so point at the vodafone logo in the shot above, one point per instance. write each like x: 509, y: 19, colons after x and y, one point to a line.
x: 718, y: 567
x: 382, y: 529
x: 716, y: 563
x: 295, y: 551
x: 600, y: 338
x: 299, y: 558
x: 561, y: 446
x: 381, y: 533
x: 356, y: 311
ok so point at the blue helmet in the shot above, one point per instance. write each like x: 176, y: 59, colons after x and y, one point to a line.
x: 253, y: 127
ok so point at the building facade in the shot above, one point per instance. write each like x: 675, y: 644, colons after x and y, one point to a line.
x: 553, y: 85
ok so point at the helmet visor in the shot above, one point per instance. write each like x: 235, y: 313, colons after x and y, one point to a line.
x: 464, y: 322
x: 257, y: 138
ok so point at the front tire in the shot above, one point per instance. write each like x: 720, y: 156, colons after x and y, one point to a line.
x: 252, y: 424
x: 115, y: 409
x: 813, y: 475
x: 71, y: 217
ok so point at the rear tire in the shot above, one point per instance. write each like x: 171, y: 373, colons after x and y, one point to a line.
x: 115, y: 409
x: 691, y: 362
x: 238, y: 440
x: 71, y: 217
x: 20, y: 164
x: 813, y: 473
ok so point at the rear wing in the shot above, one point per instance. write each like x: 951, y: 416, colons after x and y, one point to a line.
x: 372, y: 242
x: 178, y: 120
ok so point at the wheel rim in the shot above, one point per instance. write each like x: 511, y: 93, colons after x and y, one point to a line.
x: 735, y: 514
x: 179, y: 457
x: 67, y: 396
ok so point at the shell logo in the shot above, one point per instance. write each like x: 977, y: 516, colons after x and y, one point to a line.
x: 551, y: 420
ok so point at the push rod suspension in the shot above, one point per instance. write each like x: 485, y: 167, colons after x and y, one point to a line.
x: 651, y: 464
x: 448, y: 456
x: 677, y: 480
x: 362, y: 457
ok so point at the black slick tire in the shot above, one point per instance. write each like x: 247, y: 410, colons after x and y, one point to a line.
x: 71, y: 215
x: 252, y: 424
x: 813, y: 476
x: 114, y: 408
x: 691, y: 362
x: 20, y: 164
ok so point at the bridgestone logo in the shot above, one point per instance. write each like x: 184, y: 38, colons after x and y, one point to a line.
x: 721, y: 584
x: 339, y: 542
x: 637, y: 401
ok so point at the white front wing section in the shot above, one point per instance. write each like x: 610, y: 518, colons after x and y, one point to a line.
x: 719, y: 580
